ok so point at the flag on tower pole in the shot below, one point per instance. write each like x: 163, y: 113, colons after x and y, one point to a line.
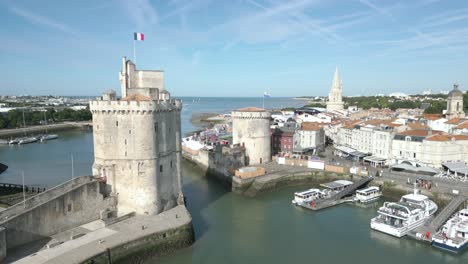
x: 139, y: 37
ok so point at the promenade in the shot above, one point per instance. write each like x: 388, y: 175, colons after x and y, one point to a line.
x: 93, y: 240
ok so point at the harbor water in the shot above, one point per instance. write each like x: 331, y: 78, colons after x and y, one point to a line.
x: 230, y: 228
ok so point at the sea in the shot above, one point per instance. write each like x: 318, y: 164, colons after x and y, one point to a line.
x: 228, y: 227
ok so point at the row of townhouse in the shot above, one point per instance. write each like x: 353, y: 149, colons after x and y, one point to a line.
x: 306, y: 137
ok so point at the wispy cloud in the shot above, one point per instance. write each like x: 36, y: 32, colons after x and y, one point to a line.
x: 39, y: 20
x: 141, y: 12
x: 379, y: 9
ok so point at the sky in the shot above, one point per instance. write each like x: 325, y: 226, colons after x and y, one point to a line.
x: 235, y: 47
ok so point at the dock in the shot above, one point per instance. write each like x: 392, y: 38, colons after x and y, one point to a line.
x: 337, y: 198
x: 433, y: 224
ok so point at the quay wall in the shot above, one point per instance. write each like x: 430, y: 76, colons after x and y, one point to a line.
x: 147, y: 247
x: 7, y: 133
x: 215, y: 163
x: 252, y: 187
x: 74, y: 203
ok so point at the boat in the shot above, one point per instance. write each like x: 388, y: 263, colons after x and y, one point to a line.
x: 307, y: 196
x: 398, y: 218
x: 369, y: 194
x: 454, y: 234
x: 27, y: 140
x: 3, y: 168
x: 14, y: 141
x: 48, y: 137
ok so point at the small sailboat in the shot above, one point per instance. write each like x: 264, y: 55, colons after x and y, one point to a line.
x: 48, y: 137
x: 27, y: 140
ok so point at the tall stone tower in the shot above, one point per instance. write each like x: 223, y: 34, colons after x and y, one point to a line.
x: 251, y: 129
x: 335, y: 101
x: 455, y: 103
x: 137, y: 142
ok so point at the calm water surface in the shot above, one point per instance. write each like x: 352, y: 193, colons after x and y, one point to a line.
x: 230, y: 228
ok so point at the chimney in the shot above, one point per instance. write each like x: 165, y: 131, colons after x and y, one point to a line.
x: 429, y: 133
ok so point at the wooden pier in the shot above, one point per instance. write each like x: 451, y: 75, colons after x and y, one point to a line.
x: 337, y: 198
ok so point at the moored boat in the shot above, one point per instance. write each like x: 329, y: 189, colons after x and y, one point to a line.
x: 13, y: 141
x: 48, y: 137
x: 398, y: 218
x: 454, y: 234
x: 27, y: 140
x: 369, y: 194
x: 307, y: 196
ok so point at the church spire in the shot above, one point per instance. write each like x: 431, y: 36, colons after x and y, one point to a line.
x: 336, y: 80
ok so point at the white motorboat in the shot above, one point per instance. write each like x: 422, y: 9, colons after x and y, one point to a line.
x: 307, y: 196
x: 369, y: 194
x: 27, y: 140
x: 48, y: 137
x: 14, y: 141
x: 398, y: 218
x: 454, y: 234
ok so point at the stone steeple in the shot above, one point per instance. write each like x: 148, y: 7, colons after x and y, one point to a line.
x: 455, y: 103
x: 335, y: 101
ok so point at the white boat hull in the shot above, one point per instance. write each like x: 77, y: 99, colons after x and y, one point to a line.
x: 395, y: 231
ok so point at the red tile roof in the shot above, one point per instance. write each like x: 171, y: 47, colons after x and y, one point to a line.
x: 446, y: 137
x: 420, y: 132
x: 251, y: 109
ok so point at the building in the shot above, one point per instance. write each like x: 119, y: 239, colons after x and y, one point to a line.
x: 137, y: 142
x: 455, y: 104
x: 372, y: 136
x: 251, y: 129
x: 429, y: 148
x: 282, y: 140
x: 309, y: 138
x: 335, y: 101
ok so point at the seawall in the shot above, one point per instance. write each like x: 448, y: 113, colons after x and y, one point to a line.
x: 252, y: 187
x: 220, y: 163
x: 6, y: 133
x: 150, y: 246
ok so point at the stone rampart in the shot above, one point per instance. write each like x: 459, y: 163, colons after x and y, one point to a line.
x: 123, y: 106
x: 74, y: 203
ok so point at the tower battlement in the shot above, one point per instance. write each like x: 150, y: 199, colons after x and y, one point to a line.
x: 127, y: 106
x: 137, y: 142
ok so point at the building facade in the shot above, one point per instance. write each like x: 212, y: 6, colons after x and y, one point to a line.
x: 309, y: 138
x: 251, y: 129
x: 137, y: 142
x: 335, y: 100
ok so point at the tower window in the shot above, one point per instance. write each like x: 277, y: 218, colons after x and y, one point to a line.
x: 125, y: 141
x: 160, y: 168
x: 117, y: 123
x: 130, y: 131
x: 156, y: 127
x: 171, y: 163
x: 458, y: 106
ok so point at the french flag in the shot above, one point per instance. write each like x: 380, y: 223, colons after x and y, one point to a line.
x: 139, y: 36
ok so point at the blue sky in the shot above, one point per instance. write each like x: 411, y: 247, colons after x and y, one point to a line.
x: 235, y: 47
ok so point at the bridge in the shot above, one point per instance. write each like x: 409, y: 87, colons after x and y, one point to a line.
x: 337, y: 198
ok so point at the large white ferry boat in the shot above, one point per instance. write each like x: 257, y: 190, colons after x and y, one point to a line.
x: 369, y: 194
x: 454, y: 234
x: 307, y: 196
x: 398, y: 218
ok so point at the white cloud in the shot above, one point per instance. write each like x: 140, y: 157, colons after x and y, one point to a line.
x: 39, y: 20
x: 141, y: 12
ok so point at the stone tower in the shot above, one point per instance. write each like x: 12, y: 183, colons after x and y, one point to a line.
x: 455, y: 103
x: 137, y: 142
x: 335, y: 101
x: 251, y: 129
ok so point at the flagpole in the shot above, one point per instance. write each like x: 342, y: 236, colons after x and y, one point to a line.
x: 134, y: 50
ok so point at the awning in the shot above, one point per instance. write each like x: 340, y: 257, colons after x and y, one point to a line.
x: 359, y: 154
x: 375, y: 159
x: 458, y: 167
x: 421, y: 170
x: 345, y: 149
